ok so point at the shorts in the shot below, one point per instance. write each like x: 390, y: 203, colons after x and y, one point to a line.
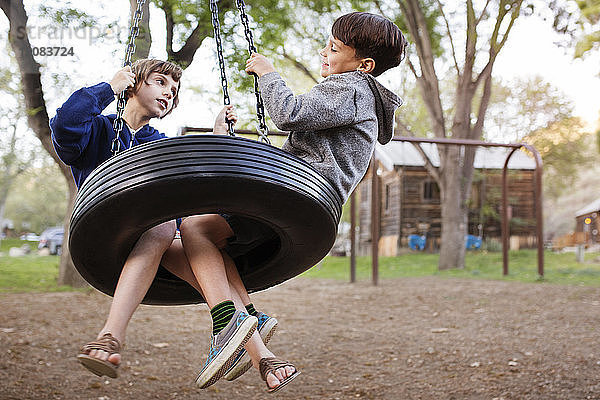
x: 248, y: 234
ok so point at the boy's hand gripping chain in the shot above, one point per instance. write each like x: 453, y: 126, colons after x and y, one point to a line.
x: 263, y: 130
x: 121, y: 100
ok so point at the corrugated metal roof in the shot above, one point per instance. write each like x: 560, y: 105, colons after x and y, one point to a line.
x: 404, y: 154
x: 590, y: 208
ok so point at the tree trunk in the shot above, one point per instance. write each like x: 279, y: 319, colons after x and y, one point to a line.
x: 454, y: 211
x: 37, y: 115
x: 144, y: 39
x: 67, y: 274
x: 456, y: 163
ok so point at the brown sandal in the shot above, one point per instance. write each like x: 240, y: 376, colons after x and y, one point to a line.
x: 106, y: 342
x: 270, y: 365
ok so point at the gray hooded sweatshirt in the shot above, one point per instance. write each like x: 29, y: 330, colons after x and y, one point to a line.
x: 335, y: 125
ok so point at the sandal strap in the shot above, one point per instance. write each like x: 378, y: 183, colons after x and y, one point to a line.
x: 106, y: 342
x: 270, y: 365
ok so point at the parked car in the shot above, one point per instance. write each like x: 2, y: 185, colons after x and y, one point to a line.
x: 30, y: 237
x: 52, y: 238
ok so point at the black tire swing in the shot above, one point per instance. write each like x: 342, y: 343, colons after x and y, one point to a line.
x: 159, y: 181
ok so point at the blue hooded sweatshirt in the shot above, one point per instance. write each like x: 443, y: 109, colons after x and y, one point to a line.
x: 82, y: 136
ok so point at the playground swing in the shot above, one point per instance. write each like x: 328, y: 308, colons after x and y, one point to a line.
x: 197, y: 174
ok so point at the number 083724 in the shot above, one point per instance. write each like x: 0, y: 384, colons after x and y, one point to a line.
x: 50, y: 51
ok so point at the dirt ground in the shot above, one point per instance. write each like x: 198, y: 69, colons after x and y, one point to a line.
x: 421, y: 338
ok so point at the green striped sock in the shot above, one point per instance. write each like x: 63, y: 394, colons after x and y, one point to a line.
x: 221, y: 315
x: 251, y: 310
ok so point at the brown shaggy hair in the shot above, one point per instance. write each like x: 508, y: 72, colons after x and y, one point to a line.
x: 372, y: 36
x: 142, y: 70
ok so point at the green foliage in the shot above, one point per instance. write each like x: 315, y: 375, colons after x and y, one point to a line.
x: 66, y: 15
x: 589, y: 25
x: 186, y: 15
x: 578, y: 21
x: 534, y: 111
x: 565, y: 148
x: 413, y: 115
x: 523, y: 105
x: 38, y: 199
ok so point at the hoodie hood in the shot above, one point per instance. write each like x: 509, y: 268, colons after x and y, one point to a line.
x: 386, y: 103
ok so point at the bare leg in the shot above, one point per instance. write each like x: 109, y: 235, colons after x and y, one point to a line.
x: 176, y: 262
x: 235, y: 280
x: 136, y: 277
x: 202, y: 237
x: 255, y: 346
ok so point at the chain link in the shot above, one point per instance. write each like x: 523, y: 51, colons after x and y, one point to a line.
x: 263, y: 130
x: 214, y: 10
x: 121, y: 100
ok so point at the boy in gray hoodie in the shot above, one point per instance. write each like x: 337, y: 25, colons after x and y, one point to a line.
x: 334, y: 127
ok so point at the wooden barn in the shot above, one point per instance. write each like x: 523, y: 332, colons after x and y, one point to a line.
x: 587, y: 222
x: 410, y: 198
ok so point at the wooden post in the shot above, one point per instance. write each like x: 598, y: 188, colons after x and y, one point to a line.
x: 375, y: 207
x: 353, y: 237
x: 505, y: 226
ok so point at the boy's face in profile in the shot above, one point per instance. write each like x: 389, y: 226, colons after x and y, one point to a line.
x: 336, y: 58
x: 156, y: 94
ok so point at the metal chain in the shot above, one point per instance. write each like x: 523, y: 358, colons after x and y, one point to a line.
x: 263, y: 130
x: 214, y: 10
x: 121, y: 100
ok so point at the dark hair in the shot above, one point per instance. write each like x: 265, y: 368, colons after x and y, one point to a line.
x: 142, y: 70
x: 372, y: 36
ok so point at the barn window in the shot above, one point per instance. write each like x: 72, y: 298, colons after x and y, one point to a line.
x: 431, y: 191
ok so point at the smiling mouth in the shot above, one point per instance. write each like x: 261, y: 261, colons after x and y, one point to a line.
x: 163, y: 103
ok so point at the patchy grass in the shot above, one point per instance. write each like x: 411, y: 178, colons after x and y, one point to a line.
x: 6, y: 244
x: 34, y: 273
x: 30, y: 274
x: 559, y: 268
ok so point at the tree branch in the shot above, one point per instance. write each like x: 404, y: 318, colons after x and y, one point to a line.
x: 299, y: 66
x: 495, y: 47
x: 379, y: 8
x: 486, y: 73
x: 433, y: 171
x: 170, y: 26
x: 405, y: 128
x: 144, y: 40
x: 482, y: 12
x: 294, y: 29
x: 428, y: 82
x: 471, y: 44
x: 450, y: 36
x: 477, y: 130
x: 185, y: 55
x: 412, y: 69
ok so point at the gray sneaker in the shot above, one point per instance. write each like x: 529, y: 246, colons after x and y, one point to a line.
x: 242, y: 363
x: 225, y: 346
